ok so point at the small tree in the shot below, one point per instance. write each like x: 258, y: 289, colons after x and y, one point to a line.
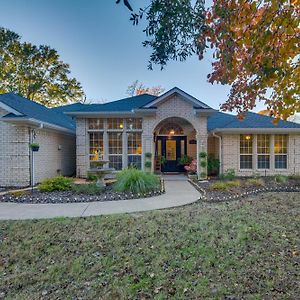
x: 138, y: 88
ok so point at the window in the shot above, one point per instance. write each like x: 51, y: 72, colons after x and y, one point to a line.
x: 115, y: 150
x: 171, y: 129
x: 95, y: 124
x: 134, y: 148
x: 115, y: 124
x: 96, y: 146
x: 246, y: 151
x: 263, y: 151
x: 280, y: 151
x: 134, y: 124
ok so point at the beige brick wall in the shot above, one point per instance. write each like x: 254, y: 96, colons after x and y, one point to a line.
x: 14, y: 154
x: 82, y: 147
x: 56, y: 156
x: 231, y: 159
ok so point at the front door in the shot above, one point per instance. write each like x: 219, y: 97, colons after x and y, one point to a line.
x: 171, y: 149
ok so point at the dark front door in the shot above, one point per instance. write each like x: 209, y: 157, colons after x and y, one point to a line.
x: 170, y: 149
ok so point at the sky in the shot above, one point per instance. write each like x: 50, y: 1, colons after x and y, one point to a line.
x: 104, y: 49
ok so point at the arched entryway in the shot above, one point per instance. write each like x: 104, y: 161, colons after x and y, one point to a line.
x: 175, y: 140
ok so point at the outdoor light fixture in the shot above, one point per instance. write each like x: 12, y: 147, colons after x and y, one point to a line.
x: 172, y: 132
x: 248, y: 137
x: 121, y: 126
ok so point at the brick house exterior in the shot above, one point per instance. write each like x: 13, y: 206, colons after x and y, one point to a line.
x: 149, y: 132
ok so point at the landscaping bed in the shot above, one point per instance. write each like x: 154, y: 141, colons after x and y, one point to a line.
x: 130, y: 184
x: 219, y: 190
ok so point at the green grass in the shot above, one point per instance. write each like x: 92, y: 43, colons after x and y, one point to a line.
x: 247, y: 249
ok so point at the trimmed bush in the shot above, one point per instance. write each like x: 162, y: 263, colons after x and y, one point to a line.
x: 281, y: 178
x: 58, y: 183
x: 203, y: 175
x: 233, y: 183
x: 203, y: 163
x: 91, y: 177
x: 254, y: 182
x: 136, y: 181
x: 148, y: 164
x: 203, y: 154
x: 148, y: 154
x: 89, y: 189
x: 228, y: 175
x: 220, y: 185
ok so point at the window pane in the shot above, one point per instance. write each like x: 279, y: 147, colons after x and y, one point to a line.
x: 95, y: 123
x: 135, y: 161
x: 280, y: 144
x: 115, y: 161
x: 115, y: 142
x: 135, y: 143
x: 246, y: 162
x: 246, y: 144
x: 133, y: 123
x: 263, y: 161
x: 115, y: 123
x: 263, y: 144
x: 96, y: 145
x: 280, y: 161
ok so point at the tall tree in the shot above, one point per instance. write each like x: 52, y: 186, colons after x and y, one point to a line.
x: 35, y: 72
x: 256, y: 46
x: 138, y: 88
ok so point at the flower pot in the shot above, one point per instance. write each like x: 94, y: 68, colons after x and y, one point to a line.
x: 35, y: 148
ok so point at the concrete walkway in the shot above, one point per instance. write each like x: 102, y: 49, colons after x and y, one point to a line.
x: 178, y: 193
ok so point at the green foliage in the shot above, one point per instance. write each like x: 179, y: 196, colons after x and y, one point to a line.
x: 58, y: 183
x: 294, y: 177
x: 90, y: 189
x: 163, y: 160
x: 185, y: 160
x: 213, y: 165
x: 203, y: 163
x: 148, y: 164
x: 233, y: 183
x: 91, y: 177
x: 136, y: 181
x: 35, y: 72
x: 228, y: 175
x: 18, y: 193
x: 148, y: 154
x: 281, y: 178
x: 203, y: 175
x: 255, y: 182
x: 225, y: 185
x: 202, y: 154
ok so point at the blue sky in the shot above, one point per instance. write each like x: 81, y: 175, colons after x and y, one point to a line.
x: 103, y: 48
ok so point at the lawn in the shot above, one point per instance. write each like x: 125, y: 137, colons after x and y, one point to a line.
x: 246, y: 249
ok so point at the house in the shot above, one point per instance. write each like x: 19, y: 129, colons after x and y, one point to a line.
x: 23, y: 122
x: 139, y: 129
x: 146, y: 131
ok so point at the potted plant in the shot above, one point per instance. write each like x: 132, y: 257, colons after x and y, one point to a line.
x: 185, y: 160
x: 34, y: 147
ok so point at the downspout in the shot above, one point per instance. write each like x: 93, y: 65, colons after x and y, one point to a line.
x: 220, y: 151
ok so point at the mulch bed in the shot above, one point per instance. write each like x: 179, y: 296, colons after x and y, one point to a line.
x: 233, y: 193
x: 37, y: 197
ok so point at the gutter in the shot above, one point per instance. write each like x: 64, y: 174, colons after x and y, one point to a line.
x: 220, y: 151
x: 256, y: 130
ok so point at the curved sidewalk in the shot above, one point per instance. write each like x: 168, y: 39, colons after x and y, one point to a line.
x: 178, y: 193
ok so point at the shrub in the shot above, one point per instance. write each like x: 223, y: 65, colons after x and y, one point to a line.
x: 280, y: 178
x: 213, y: 165
x: 233, y: 183
x: 185, y: 160
x: 148, y: 154
x: 91, y: 177
x: 136, y: 181
x: 203, y: 163
x: 202, y: 154
x: 295, y: 177
x: 192, y: 167
x: 90, y: 189
x: 58, y: 183
x: 148, y: 164
x: 18, y: 193
x: 228, y: 175
x: 219, y: 185
x: 254, y: 182
x: 203, y: 175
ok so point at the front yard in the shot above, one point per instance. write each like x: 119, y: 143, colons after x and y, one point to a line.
x: 243, y: 249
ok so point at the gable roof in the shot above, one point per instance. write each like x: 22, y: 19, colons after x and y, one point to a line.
x: 225, y: 122
x: 196, y: 103
x: 23, y: 108
x: 68, y: 107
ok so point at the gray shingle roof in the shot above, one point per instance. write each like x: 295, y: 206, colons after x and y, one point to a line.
x: 252, y: 120
x: 31, y: 109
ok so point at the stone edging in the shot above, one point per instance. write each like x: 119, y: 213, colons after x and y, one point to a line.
x: 203, y: 195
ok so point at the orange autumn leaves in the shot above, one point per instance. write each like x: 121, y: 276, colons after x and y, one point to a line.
x: 256, y: 51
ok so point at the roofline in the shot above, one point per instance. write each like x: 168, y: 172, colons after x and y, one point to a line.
x: 255, y: 130
x: 99, y: 113
x: 36, y: 122
x: 172, y: 91
x: 204, y: 111
x: 9, y: 109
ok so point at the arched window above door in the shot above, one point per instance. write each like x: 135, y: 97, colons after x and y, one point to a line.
x: 171, y: 129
